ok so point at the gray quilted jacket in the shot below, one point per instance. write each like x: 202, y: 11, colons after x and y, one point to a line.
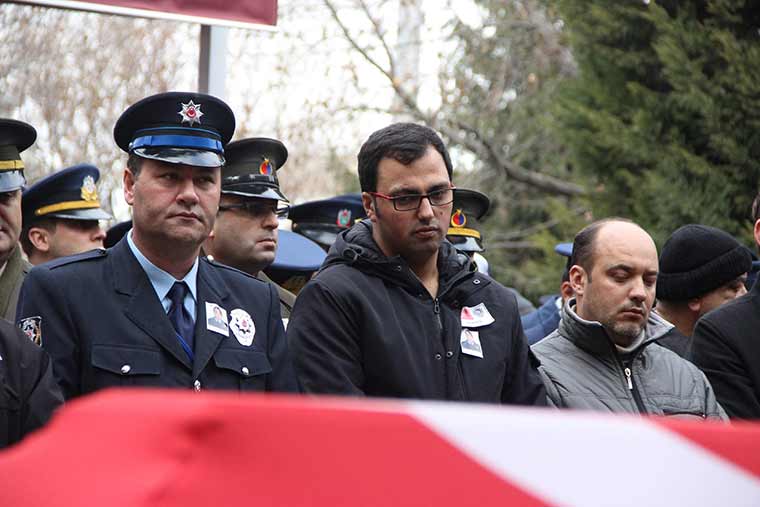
x: 582, y: 368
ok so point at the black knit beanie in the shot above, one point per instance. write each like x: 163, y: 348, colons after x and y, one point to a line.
x: 697, y: 259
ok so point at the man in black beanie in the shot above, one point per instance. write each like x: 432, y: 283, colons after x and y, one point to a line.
x: 701, y: 268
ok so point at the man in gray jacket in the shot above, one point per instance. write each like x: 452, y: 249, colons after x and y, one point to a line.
x: 605, y: 355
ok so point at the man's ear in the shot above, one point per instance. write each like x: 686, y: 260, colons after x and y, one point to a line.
x: 39, y: 238
x: 369, y: 206
x: 578, y: 279
x: 695, y: 305
x: 129, y: 186
x: 757, y: 233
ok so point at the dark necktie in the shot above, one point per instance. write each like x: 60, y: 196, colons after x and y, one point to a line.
x: 180, y: 317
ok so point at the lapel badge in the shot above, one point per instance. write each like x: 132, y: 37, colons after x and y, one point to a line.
x: 191, y: 113
x: 344, y: 218
x: 458, y: 219
x: 89, y: 190
x: 241, y: 325
x: 32, y: 328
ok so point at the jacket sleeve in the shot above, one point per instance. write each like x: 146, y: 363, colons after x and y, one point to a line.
x: 726, y: 370
x: 41, y: 395
x: 523, y: 384
x: 713, y: 410
x: 41, y: 297
x: 283, y: 376
x: 323, y: 336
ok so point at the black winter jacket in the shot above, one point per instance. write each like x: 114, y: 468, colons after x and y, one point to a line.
x: 365, y: 325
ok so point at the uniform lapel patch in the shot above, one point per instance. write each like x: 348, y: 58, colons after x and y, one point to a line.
x: 32, y: 328
x: 242, y: 326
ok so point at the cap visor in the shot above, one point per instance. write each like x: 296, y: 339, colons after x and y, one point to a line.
x: 82, y: 214
x: 465, y: 243
x: 198, y: 158
x: 247, y: 190
x: 11, y: 180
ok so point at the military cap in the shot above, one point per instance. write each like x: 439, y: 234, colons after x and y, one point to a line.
x: 469, y: 207
x: 321, y: 221
x: 15, y: 137
x: 296, y: 260
x: 116, y: 232
x: 70, y: 193
x: 251, y: 168
x: 177, y: 127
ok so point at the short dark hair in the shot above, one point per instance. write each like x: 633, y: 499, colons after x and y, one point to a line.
x: 756, y: 208
x: 404, y: 143
x: 583, y: 244
x: 49, y: 224
x: 134, y: 164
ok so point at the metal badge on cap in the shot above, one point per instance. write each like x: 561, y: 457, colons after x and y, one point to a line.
x: 191, y: 113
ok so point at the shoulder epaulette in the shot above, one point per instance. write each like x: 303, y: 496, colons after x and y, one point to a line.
x: 71, y: 259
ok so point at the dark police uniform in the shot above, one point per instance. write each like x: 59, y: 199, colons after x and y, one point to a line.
x: 15, y: 137
x: 297, y: 259
x: 70, y: 193
x: 99, y: 315
x: 28, y: 391
x: 322, y: 221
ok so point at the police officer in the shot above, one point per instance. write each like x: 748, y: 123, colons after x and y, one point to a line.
x: 61, y: 213
x: 322, y: 221
x: 470, y: 207
x: 245, y: 232
x: 137, y: 314
x: 15, y: 137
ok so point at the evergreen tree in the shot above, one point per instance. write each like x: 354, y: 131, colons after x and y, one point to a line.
x: 662, y: 119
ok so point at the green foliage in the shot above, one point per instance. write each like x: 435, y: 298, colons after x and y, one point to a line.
x: 502, y: 85
x: 663, y: 116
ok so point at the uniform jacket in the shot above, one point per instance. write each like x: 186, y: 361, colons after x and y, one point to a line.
x: 287, y: 298
x: 727, y: 348
x: 10, y: 283
x: 103, y: 325
x: 366, y: 325
x: 542, y: 321
x: 582, y: 368
x: 28, y: 391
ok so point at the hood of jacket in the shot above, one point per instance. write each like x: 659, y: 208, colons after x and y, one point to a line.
x: 592, y: 337
x: 357, y: 248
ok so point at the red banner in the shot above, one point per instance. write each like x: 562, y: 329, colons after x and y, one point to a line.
x: 237, y: 13
x: 171, y: 448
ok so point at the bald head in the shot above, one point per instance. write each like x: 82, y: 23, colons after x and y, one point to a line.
x: 614, y: 277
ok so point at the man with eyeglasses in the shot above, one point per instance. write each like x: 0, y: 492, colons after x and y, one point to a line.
x: 245, y: 231
x: 395, y: 310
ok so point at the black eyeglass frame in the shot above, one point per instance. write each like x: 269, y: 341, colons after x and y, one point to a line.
x: 249, y: 207
x: 395, y: 199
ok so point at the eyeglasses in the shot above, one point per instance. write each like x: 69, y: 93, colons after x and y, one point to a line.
x: 412, y: 202
x: 258, y: 210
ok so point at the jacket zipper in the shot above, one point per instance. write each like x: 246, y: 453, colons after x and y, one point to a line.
x: 437, y: 311
x: 632, y: 387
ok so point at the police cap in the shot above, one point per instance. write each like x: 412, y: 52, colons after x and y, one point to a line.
x: 178, y: 128
x: 15, y: 137
x: 251, y: 168
x: 296, y: 260
x: 469, y: 208
x: 323, y: 220
x: 70, y: 193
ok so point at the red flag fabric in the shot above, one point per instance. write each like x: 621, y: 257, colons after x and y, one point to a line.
x: 224, y: 12
x: 170, y: 448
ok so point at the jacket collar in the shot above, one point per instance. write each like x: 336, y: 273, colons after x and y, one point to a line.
x: 593, y: 338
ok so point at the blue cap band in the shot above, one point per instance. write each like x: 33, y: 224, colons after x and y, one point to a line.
x: 174, y: 141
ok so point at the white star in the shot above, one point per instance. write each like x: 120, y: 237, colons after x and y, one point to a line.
x: 191, y: 113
